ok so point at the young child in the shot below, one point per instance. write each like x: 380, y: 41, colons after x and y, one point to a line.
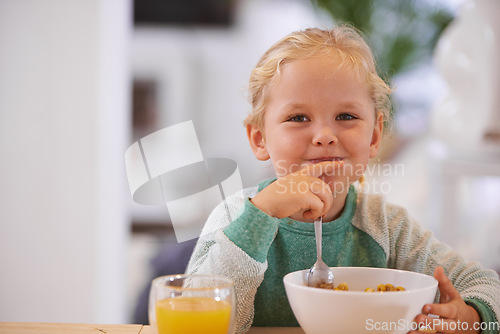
x: 318, y: 114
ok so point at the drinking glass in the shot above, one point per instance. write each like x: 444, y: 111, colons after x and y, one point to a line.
x: 192, y: 304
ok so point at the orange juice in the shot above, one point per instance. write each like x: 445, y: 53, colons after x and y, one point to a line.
x: 192, y: 315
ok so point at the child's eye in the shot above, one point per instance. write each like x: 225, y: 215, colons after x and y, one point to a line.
x: 345, y: 117
x: 297, y: 118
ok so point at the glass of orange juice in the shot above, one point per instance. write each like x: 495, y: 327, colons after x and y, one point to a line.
x: 192, y: 304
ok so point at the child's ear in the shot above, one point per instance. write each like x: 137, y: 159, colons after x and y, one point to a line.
x: 378, y: 130
x: 257, y: 142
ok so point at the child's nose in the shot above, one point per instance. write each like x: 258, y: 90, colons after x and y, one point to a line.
x: 324, y: 136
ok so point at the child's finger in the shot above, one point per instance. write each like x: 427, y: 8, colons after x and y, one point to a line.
x: 438, y: 325
x: 448, y: 310
x: 446, y: 289
x: 427, y: 324
x: 315, y: 205
x: 323, y: 191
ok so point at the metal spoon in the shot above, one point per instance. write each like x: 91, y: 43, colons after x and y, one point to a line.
x: 319, y: 272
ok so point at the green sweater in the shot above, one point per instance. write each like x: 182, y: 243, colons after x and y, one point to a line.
x: 257, y: 251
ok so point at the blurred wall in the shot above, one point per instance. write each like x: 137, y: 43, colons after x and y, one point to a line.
x: 64, y: 105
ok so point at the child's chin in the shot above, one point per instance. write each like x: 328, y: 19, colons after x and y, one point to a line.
x: 337, y: 184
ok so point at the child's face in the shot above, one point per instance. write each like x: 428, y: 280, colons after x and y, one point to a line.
x: 316, y: 113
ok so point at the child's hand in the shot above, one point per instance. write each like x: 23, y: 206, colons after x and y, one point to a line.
x: 454, y: 315
x: 301, y: 194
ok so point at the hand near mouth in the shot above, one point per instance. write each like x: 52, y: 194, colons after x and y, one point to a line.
x: 321, y: 168
x: 302, y: 195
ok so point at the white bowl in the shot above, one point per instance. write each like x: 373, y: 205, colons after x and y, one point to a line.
x: 322, y: 311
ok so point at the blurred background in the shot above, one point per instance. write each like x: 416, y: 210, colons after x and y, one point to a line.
x: 82, y: 80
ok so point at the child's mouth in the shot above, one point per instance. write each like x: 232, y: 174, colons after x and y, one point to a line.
x: 323, y: 159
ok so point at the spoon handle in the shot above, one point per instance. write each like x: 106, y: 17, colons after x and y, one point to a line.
x: 318, y: 232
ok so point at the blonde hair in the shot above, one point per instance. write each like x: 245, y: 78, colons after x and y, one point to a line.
x: 345, y: 45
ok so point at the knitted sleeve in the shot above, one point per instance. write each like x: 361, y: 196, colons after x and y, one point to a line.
x: 409, y: 246
x: 215, y: 253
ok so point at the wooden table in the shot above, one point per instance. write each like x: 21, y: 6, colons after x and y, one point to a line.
x: 55, y: 328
